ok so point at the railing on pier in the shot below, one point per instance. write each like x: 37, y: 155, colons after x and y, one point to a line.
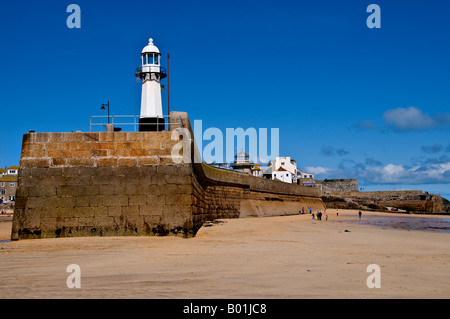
x: 120, y: 123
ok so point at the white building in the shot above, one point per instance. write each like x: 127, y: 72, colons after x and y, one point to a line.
x: 284, y: 167
x: 282, y: 175
x: 305, y: 175
x: 287, y: 164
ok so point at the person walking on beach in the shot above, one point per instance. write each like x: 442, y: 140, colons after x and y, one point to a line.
x: 313, y: 217
x: 310, y: 210
x: 337, y: 212
x: 303, y: 210
x: 359, y: 213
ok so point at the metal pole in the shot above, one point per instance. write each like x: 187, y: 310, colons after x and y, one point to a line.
x: 168, y: 86
x: 108, y: 112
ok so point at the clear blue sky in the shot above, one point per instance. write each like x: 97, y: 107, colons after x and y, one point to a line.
x: 350, y: 102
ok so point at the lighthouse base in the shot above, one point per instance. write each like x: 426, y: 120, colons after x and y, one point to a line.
x: 152, y: 124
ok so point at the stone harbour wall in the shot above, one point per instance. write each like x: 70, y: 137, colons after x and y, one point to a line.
x: 126, y: 183
x: 410, y: 200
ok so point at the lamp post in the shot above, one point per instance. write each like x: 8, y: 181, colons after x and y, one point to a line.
x: 103, y: 108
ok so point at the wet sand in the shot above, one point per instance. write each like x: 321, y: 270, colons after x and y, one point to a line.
x: 272, y: 257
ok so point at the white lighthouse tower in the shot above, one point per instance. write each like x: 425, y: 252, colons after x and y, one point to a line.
x: 151, y: 73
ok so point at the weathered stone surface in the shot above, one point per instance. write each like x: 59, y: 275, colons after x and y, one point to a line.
x: 127, y: 183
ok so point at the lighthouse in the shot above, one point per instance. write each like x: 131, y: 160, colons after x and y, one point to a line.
x: 151, y: 73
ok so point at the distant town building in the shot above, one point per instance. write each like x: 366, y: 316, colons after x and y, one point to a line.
x: 285, y: 169
x: 8, y: 184
x: 281, y: 168
x: 283, y: 175
x: 256, y: 170
x: 288, y: 165
x: 242, y: 163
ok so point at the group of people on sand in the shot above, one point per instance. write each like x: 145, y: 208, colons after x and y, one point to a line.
x: 319, y: 214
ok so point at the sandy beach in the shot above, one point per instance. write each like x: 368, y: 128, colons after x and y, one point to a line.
x: 273, y: 257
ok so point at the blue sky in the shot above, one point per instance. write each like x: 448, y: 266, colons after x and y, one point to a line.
x: 350, y: 102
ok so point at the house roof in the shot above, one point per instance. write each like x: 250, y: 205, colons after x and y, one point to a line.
x: 8, y: 178
x: 280, y: 169
x: 14, y: 167
x: 2, y: 170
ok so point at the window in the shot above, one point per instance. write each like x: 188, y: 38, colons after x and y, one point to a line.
x: 150, y: 58
x: 2, y: 191
x: 12, y: 184
x: 283, y: 163
x: 2, y: 185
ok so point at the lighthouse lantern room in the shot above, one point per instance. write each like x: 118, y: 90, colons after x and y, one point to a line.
x: 151, y: 73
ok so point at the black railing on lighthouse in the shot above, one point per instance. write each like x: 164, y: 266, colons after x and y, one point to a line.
x: 162, y: 73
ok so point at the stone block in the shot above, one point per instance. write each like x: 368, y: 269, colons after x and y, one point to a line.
x: 185, y: 189
x: 114, y: 211
x: 158, y: 179
x: 169, y: 189
x: 80, y: 161
x: 42, y: 191
x: 99, y: 153
x: 82, y: 180
x: 58, y: 161
x: 77, y: 153
x: 70, y: 190
x: 149, y: 160
x: 137, y: 200
x: 155, y: 200
x: 117, y: 200
x: 138, y: 152
x: 180, y: 199
x: 106, y: 189
x: 92, y: 190
x: 82, y: 201
x: 153, y: 210
x: 100, y: 211
x: 178, y: 179
x: 106, y: 162
x: 151, y: 189
x: 35, y: 202
x: 35, y: 162
x: 127, y: 161
x: 65, y: 202
x: 177, y: 216
x: 83, y: 212
x: 131, y: 210
x: 103, y: 146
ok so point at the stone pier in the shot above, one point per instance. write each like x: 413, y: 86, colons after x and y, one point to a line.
x: 126, y: 183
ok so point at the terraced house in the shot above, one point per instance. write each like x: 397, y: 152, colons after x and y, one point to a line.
x: 8, y: 184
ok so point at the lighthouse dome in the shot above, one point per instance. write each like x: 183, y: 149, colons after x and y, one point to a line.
x: 150, y: 48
